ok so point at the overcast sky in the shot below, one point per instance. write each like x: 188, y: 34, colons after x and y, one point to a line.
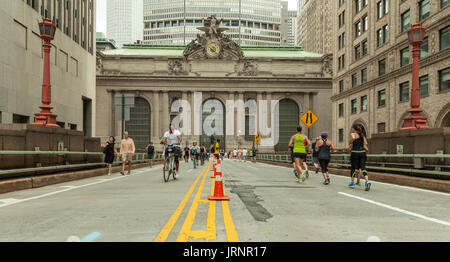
x: 101, y: 13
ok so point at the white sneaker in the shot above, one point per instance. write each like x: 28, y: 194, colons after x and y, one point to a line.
x: 176, y: 175
x: 109, y: 174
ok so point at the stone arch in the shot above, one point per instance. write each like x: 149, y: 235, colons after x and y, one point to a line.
x: 443, y: 118
x: 363, y: 123
x: 139, y: 125
x: 207, y: 139
x: 289, y: 119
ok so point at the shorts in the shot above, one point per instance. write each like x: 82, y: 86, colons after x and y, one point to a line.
x: 324, y: 164
x: 358, y: 161
x: 150, y: 156
x: 127, y: 157
x: 299, y: 155
x: 176, y: 152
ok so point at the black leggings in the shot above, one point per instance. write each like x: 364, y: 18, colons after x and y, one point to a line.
x: 358, y: 161
x: 324, y: 165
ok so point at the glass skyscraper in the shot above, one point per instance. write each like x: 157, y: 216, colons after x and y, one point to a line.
x: 251, y: 22
x: 124, y: 21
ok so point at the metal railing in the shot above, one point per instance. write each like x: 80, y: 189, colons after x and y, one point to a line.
x: 138, y: 158
x: 425, y: 164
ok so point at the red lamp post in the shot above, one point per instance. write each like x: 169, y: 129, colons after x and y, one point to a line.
x: 415, y: 120
x: 46, y: 118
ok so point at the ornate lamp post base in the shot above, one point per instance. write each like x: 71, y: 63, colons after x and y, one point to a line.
x: 45, y: 117
x: 415, y: 120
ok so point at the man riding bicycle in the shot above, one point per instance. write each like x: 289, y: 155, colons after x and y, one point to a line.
x: 172, y: 139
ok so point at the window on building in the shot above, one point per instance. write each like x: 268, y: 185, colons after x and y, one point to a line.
x: 358, y: 5
x: 386, y: 6
x: 444, y: 38
x: 444, y: 3
x: 382, y: 97
x: 20, y: 119
x: 358, y: 29
x: 363, y: 75
x: 365, y: 22
x: 406, y: 21
x: 341, y: 2
x: 379, y: 10
x: 444, y: 79
x: 342, y: 19
x: 363, y: 103
x: 357, y: 52
x: 404, y: 92
x: 424, y: 9
x: 72, y: 126
x: 354, y: 103
x: 354, y: 80
x: 341, y: 135
x: 341, y: 110
x: 379, y: 37
x: 341, y: 61
x: 385, y: 34
x: 404, y: 56
x: 341, y: 86
x: 381, y: 67
x: 424, y: 48
x: 341, y: 40
x: 381, y: 127
x: 423, y: 85
x: 365, y: 48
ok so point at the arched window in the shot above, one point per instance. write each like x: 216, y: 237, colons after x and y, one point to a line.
x: 289, y: 120
x: 138, y: 126
x: 213, y: 123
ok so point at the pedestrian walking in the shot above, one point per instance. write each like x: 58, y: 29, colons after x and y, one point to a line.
x: 358, y: 148
x: 150, y: 152
x: 299, y: 143
x: 110, y: 150
x: 325, y: 146
x: 127, y: 150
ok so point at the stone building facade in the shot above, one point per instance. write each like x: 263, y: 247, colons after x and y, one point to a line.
x: 372, y: 64
x: 72, y: 62
x: 221, y: 71
x: 314, y: 30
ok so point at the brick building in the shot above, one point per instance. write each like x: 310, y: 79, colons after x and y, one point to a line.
x: 372, y: 64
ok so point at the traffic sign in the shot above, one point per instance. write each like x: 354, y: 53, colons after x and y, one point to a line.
x: 309, y: 118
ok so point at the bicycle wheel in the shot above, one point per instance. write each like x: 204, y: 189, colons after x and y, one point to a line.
x: 173, y: 168
x: 166, y: 172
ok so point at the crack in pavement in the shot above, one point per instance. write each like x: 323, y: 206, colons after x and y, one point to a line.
x: 250, y: 199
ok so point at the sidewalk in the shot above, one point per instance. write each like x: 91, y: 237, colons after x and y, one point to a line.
x: 403, y: 180
x: 11, y: 185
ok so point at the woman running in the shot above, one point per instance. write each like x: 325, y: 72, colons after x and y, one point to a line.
x: 299, y: 142
x: 358, y: 148
x: 325, y: 146
x: 316, y: 155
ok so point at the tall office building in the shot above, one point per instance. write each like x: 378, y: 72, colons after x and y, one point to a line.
x: 372, y: 64
x: 314, y: 26
x: 288, y: 25
x: 72, y: 62
x: 251, y: 22
x: 125, y: 21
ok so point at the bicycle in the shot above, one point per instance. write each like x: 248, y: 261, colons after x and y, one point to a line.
x: 169, y: 167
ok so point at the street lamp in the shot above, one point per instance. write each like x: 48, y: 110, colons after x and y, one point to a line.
x: 46, y: 118
x: 415, y: 120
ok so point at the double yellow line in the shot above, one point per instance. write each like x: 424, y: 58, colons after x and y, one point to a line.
x: 210, y: 232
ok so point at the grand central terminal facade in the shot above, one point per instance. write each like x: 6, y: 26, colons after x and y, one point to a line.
x: 209, y: 75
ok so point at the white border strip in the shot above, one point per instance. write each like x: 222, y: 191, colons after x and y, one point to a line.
x: 398, y: 209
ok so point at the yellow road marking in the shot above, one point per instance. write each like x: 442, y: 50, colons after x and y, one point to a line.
x: 185, y: 231
x: 232, y: 235
x: 162, y: 236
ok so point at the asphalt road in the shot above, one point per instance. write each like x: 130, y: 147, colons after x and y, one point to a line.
x: 266, y: 205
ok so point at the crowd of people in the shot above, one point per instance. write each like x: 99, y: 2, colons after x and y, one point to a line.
x: 298, y: 146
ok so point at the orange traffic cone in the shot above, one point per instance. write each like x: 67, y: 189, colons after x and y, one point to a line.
x: 218, y: 188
